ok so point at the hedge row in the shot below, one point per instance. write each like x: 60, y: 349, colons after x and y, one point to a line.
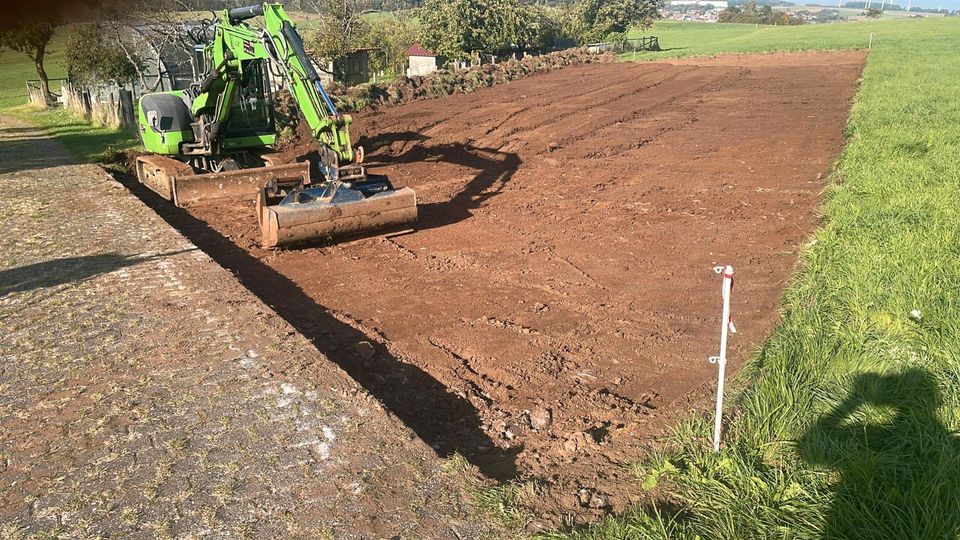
x: 444, y: 82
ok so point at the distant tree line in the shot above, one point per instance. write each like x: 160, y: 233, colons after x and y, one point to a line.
x: 123, y: 41
x: 465, y: 29
x: 775, y: 3
x: 750, y: 13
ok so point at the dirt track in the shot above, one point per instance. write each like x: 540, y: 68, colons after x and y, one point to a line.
x: 562, y: 262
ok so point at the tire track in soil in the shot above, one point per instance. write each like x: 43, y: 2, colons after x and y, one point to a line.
x: 574, y: 279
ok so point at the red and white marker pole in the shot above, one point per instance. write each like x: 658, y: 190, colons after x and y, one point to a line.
x: 721, y: 361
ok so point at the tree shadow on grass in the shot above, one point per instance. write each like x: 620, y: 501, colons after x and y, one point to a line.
x: 898, y: 464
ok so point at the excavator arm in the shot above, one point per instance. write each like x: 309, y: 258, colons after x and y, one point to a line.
x: 236, y: 43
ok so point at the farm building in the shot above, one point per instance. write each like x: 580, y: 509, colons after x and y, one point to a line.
x: 422, y: 61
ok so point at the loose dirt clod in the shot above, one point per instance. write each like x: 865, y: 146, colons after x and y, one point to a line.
x: 540, y: 419
x: 663, y: 170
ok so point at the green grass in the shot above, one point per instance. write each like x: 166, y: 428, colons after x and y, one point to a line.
x: 87, y: 142
x: 16, y: 68
x: 84, y: 140
x: 681, y: 39
x: 846, y: 426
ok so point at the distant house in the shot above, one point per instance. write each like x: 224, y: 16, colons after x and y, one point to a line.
x: 421, y: 61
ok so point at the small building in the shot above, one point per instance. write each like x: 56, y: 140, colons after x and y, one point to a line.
x: 352, y: 69
x: 421, y: 61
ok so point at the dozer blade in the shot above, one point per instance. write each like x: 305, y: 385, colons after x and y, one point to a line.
x: 244, y: 183
x: 176, y: 181
x: 333, y: 210
x: 157, y: 173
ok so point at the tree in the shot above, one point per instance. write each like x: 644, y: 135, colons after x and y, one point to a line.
x: 340, y: 28
x: 93, y: 59
x: 143, y: 31
x: 392, y: 36
x: 750, y: 14
x: 606, y: 19
x: 31, y: 37
x: 874, y: 13
x: 461, y: 29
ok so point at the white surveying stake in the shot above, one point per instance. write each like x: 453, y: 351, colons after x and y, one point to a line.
x: 721, y: 361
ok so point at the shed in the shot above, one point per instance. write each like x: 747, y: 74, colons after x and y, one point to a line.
x: 354, y: 68
x: 421, y: 61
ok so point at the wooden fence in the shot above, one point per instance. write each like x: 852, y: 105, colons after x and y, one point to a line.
x: 113, y: 109
x: 35, y: 95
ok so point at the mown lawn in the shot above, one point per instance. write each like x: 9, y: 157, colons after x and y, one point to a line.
x: 846, y: 426
x: 87, y: 142
x: 16, y: 68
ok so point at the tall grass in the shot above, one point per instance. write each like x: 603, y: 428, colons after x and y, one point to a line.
x: 847, y: 426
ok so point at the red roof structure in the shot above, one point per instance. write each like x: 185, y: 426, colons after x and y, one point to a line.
x: 417, y: 50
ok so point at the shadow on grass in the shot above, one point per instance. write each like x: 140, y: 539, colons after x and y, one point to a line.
x: 898, y: 464
x: 19, y: 150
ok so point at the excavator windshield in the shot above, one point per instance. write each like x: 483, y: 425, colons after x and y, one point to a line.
x: 251, y: 111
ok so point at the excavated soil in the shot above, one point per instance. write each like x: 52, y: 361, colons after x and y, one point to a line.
x: 554, y: 308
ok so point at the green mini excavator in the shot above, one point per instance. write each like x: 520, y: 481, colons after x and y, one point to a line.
x: 213, y: 140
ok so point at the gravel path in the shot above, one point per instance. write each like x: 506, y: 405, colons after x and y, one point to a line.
x: 145, y: 393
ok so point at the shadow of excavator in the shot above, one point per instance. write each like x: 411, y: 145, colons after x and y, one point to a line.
x: 57, y: 272
x: 446, y: 421
x: 494, y: 170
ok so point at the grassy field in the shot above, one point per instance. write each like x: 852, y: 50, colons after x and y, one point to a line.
x: 680, y: 39
x: 846, y: 426
x: 16, y: 68
x: 85, y: 140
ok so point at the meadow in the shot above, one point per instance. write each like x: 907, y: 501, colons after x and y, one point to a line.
x: 679, y: 39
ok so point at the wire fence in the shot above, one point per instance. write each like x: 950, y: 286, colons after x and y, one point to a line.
x: 645, y: 43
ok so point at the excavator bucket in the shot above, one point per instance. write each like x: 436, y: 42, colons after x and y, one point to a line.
x: 332, y: 210
x: 176, y: 181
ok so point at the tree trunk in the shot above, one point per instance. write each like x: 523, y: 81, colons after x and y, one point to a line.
x: 42, y: 75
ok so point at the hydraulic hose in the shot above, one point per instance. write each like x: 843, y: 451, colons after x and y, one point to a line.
x: 249, y: 12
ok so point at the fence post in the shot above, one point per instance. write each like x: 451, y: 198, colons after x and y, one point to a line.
x: 87, y: 105
x: 127, y: 119
x: 721, y: 360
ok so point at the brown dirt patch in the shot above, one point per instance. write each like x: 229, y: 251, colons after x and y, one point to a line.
x: 562, y: 262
